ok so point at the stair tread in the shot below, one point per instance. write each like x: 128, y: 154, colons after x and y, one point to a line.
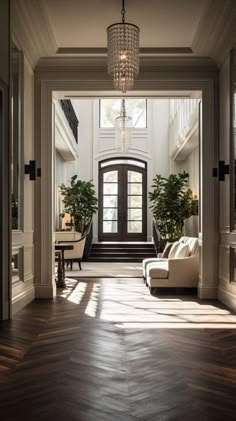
x: 121, y: 252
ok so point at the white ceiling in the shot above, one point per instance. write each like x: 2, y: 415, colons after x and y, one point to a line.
x: 163, y: 23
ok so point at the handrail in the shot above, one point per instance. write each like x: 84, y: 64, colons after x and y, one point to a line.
x: 156, y: 236
x: 71, y: 117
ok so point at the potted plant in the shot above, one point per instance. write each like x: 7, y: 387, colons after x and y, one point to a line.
x: 171, y: 203
x: 80, y: 202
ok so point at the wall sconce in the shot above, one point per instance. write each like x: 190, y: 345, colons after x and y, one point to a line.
x: 32, y: 170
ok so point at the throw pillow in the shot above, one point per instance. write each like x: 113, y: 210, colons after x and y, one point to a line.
x: 166, y: 250
x: 173, y: 250
x: 182, y: 251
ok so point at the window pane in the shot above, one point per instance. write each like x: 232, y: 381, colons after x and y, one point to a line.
x: 134, y: 177
x: 109, y: 226
x: 135, y: 214
x: 110, y: 108
x: 110, y: 177
x: 134, y: 188
x: 110, y: 214
x: 110, y: 188
x: 134, y: 226
x: 110, y: 201
x: 134, y: 201
x: 123, y: 162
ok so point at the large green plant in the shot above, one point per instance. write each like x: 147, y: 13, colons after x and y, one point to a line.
x: 171, y: 203
x: 80, y: 202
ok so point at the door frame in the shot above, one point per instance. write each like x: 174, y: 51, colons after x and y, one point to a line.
x: 121, y: 237
x: 89, y: 78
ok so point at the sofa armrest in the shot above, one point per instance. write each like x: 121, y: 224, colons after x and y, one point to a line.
x: 184, y: 268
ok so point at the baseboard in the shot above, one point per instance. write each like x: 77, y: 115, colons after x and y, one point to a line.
x: 227, y: 297
x: 45, y: 291
x: 206, y: 293
x: 22, y: 299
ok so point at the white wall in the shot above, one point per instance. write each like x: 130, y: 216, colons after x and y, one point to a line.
x: 160, y: 137
x: 84, y: 111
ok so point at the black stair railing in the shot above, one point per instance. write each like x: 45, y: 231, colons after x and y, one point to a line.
x: 156, y: 237
x: 70, y: 115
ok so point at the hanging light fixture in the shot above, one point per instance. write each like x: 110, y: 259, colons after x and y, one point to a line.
x: 124, y: 128
x: 123, y: 52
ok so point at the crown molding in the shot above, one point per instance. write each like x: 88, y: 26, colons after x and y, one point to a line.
x: 143, y: 51
x: 31, y: 29
x: 216, y: 31
x: 98, y: 64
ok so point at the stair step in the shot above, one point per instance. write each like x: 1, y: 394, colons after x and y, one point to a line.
x: 121, y: 252
x: 115, y: 260
x: 141, y: 255
x: 126, y: 245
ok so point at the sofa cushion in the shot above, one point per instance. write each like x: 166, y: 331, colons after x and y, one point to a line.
x: 158, y: 270
x: 166, y: 250
x: 193, y: 245
x: 182, y: 251
x: 173, y: 250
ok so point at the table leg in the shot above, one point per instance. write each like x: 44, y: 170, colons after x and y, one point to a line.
x: 61, y: 271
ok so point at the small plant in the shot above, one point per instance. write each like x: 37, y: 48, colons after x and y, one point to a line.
x: 80, y: 202
x: 171, y: 203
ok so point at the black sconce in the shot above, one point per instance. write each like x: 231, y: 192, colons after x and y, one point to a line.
x: 221, y: 171
x: 32, y: 170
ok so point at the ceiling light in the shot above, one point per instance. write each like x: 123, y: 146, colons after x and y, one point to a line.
x: 124, y: 128
x: 123, y: 52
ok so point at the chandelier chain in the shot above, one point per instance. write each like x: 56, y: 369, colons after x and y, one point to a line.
x: 123, y: 11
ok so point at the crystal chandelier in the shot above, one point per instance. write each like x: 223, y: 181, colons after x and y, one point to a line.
x: 123, y: 52
x: 123, y: 129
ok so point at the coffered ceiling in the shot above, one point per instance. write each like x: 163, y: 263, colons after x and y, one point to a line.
x: 61, y: 28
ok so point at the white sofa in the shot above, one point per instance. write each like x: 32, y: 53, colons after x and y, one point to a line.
x: 78, y: 243
x: 174, y: 271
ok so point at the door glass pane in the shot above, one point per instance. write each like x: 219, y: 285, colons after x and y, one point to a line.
x: 110, y: 226
x: 110, y: 188
x: 134, y: 226
x: 134, y: 201
x: 135, y: 214
x: 110, y: 177
x: 110, y: 214
x: 134, y: 188
x: 110, y: 201
x: 134, y: 177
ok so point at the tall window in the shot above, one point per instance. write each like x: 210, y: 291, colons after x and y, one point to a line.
x: 136, y: 108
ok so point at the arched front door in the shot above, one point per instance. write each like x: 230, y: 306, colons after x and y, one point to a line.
x: 122, y: 200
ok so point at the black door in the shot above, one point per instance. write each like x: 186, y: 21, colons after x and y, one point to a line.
x: 122, y: 200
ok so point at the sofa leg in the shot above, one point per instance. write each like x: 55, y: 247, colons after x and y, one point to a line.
x: 80, y: 265
x: 71, y: 265
x: 152, y: 290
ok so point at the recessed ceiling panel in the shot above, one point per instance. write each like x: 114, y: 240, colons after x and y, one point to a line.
x: 163, y: 23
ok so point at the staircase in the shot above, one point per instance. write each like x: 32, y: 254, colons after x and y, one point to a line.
x: 121, y: 252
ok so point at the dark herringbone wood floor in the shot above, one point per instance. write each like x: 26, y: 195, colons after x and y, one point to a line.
x: 105, y: 350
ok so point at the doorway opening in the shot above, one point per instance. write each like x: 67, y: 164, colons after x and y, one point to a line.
x: 165, y: 141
